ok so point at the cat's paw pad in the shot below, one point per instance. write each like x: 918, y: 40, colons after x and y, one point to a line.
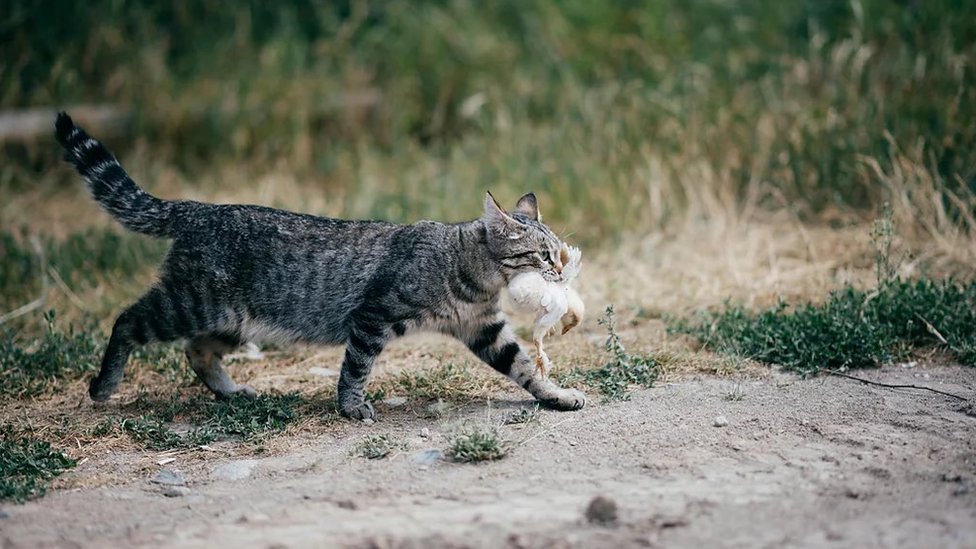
x: 566, y: 400
x: 362, y: 410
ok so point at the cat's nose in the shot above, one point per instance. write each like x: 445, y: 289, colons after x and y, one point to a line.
x: 558, y: 267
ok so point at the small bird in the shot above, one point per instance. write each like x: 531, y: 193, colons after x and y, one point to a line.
x: 551, y: 298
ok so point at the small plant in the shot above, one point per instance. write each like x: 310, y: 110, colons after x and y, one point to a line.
x: 882, y: 236
x: 243, y: 418
x: 31, y: 368
x: 523, y: 415
x: 615, y: 378
x: 735, y: 393
x: 476, y: 443
x: 852, y: 329
x: 378, y: 447
x: 27, y: 466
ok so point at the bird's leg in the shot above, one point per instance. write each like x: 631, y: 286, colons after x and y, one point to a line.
x: 542, y: 362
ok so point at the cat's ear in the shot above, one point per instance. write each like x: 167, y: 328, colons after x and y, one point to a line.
x: 529, y: 206
x: 500, y: 222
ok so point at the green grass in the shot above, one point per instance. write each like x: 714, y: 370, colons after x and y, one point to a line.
x: 621, y: 373
x: 83, y: 260
x: 378, y: 446
x: 27, y: 466
x: 474, y: 443
x: 201, y: 420
x: 632, y: 108
x: 851, y: 329
x: 33, y: 366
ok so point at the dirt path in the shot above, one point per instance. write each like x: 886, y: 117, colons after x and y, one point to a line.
x: 825, y: 462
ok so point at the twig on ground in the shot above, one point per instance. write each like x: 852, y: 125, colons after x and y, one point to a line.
x: 546, y: 430
x: 895, y: 386
x: 932, y: 330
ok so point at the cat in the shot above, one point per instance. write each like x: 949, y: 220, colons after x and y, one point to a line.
x: 237, y: 273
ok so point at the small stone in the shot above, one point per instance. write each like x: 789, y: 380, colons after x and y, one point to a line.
x: 427, y: 457
x: 235, y: 470
x: 169, y: 477
x: 368, y: 420
x: 4, y: 514
x: 601, y: 510
x: 720, y: 421
x: 394, y: 402
x: 176, y: 491
x: 425, y: 433
x: 347, y: 504
x: 253, y: 517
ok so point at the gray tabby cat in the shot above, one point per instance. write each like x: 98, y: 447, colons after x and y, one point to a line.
x: 238, y: 273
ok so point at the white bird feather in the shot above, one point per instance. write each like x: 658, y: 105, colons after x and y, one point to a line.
x: 553, y: 301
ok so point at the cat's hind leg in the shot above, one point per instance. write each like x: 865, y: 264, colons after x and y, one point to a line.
x: 204, y: 353
x: 151, y: 318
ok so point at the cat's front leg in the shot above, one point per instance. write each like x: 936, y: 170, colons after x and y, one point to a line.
x: 363, y: 346
x: 495, y: 343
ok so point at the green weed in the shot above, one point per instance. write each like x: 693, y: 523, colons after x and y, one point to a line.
x: 523, y: 415
x: 852, y: 329
x: 27, y: 466
x: 616, y: 377
x: 475, y: 443
x: 202, y: 420
x: 378, y: 447
x: 33, y: 367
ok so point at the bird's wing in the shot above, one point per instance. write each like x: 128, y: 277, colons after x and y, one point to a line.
x: 572, y: 267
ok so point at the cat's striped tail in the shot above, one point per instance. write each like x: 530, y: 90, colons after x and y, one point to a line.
x: 133, y: 207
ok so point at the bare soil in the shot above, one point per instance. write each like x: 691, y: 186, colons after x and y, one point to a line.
x: 826, y: 462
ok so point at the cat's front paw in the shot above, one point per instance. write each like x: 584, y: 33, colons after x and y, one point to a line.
x: 565, y: 400
x: 358, y: 410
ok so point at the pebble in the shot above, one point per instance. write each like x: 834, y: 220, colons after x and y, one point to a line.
x: 393, y: 402
x: 425, y: 433
x: 169, y: 477
x: 4, y: 514
x: 176, y: 491
x: 601, y: 510
x: 235, y: 470
x: 720, y: 421
x: 253, y: 517
x: 427, y: 457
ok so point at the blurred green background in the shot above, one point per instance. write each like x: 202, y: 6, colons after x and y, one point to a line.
x: 622, y: 115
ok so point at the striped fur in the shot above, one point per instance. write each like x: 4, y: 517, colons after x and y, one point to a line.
x: 236, y: 273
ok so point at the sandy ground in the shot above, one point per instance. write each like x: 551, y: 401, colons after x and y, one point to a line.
x: 826, y: 462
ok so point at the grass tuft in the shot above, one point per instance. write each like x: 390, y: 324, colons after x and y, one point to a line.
x: 623, y: 371
x: 205, y: 420
x: 27, y: 466
x: 523, y: 415
x: 852, y: 329
x: 30, y: 368
x: 476, y: 443
x: 378, y: 447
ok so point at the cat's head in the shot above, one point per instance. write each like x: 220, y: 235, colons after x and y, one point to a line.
x: 520, y: 241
